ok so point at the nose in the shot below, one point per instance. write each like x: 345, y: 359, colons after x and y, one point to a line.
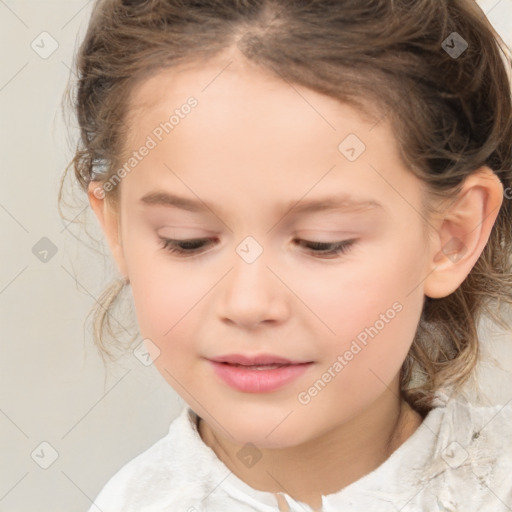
x: 252, y: 295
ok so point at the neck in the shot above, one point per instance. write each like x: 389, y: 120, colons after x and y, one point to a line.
x: 327, y: 463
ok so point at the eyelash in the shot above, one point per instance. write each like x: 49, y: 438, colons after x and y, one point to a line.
x: 334, y: 249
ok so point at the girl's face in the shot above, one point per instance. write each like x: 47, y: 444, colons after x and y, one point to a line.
x: 272, y: 178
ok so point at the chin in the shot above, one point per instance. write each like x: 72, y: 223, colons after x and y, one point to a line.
x: 267, y: 431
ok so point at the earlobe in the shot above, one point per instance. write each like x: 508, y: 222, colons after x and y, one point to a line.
x: 463, y: 232
x: 108, y: 219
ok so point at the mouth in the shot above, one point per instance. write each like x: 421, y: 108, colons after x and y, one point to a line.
x: 257, y: 374
x: 263, y: 361
x: 257, y: 366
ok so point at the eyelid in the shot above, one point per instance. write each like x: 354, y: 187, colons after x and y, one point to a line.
x: 337, y: 247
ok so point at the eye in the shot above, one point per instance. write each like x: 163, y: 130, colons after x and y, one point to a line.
x: 319, y: 249
x: 184, y: 247
x: 327, y: 249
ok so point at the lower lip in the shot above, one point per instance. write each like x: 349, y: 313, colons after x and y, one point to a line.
x: 258, y: 381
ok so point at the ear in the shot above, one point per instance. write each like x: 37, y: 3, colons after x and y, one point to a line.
x: 462, y: 232
x: 108, y: 217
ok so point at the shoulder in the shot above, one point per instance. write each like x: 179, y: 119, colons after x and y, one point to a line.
x: 476, y: 424
x: 164, y: 474
x: 472, y: 459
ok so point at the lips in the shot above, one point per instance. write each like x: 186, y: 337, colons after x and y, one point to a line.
x: 257, y: 360
x: 261, y: 373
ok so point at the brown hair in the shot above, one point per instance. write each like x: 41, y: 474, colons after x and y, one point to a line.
x: 449, y: 105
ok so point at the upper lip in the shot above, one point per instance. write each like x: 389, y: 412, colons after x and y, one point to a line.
x: 254, y: 360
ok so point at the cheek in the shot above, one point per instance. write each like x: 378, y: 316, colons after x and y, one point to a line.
x: 166, y: 304
x: 164, y: 293
x: 374, y: 310
x: 163, y: 301
x: 351, y: 296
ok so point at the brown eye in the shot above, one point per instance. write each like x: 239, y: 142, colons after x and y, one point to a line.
x: 184, y: 247
x: 327, y: 249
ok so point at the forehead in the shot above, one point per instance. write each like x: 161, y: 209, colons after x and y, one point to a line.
x: 260, y: 136
x: 232, y: 77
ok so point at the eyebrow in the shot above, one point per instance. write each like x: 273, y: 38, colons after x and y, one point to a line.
x: 342, y: 202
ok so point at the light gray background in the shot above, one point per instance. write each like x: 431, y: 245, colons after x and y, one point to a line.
x: 54, y: 387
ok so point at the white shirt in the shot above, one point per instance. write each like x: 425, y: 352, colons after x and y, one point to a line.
x: 458, y: 460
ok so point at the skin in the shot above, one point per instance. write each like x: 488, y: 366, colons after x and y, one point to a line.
x: 253, y: 144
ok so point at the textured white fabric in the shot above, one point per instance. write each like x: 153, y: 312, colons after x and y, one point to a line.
x: 459, y: 459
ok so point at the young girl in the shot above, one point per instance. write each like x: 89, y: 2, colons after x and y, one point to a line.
x: 310, y: 202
